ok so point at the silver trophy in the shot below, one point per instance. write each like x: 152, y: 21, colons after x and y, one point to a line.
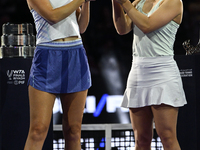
x: 17, y: 40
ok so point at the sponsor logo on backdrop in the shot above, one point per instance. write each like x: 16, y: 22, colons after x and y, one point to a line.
x: 186, y: 72
x: 16, y: 77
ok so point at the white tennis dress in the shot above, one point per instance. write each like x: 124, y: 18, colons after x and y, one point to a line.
x: 154, y: 77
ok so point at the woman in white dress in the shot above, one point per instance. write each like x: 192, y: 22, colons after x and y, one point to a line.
x: 154, y: 89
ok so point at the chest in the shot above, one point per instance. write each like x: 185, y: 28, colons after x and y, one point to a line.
x: 149, y: 5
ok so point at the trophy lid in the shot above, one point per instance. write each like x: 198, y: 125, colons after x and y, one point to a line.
x: 24, y: 28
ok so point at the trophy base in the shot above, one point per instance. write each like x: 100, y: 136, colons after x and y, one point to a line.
x: 17, y: 51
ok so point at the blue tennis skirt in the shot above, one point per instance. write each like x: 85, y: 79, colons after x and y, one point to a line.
x: 60, y: 67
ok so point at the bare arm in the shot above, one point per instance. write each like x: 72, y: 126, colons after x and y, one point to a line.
x: 123, y: 24
x: 45, y: 9
x: 168, y: 10
x: 83, y: 16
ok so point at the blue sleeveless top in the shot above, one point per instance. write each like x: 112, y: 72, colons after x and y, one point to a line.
x: 156, y: 43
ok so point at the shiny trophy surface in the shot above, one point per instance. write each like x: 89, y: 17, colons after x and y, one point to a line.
x: 17, y: 40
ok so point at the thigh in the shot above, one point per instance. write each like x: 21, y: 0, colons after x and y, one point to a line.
x: 73, y: 105
x: 142, y: 121
x: 41, y: 105
x: 165, y: 118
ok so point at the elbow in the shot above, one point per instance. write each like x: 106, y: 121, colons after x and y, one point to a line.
x: 122, y: 32
x: 82, y: 31
x: 83, y: 28
x: 146, y: 29
x: 52, y: 17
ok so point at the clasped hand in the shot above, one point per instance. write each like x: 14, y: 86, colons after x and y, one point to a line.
x: 120, y: 1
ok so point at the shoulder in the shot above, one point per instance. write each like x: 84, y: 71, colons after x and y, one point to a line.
x: 174, y: 5
x: 172, y: 2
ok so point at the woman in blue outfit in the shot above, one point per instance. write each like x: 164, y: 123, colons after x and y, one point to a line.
x: 59, y: 68
x: 154, y: 89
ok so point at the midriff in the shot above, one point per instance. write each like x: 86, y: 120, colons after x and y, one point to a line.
x: 71, y: 38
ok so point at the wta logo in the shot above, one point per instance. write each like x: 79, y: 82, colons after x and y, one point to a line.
x: 16, y: 77
x: 9, y: 74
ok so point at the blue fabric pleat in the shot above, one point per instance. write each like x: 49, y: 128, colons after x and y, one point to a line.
x: 60, y: 69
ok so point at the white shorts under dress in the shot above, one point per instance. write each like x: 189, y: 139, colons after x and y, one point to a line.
x: 154, y: 81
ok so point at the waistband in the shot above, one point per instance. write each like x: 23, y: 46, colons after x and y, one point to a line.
x: 62, y: 44
x: 153, y: 60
